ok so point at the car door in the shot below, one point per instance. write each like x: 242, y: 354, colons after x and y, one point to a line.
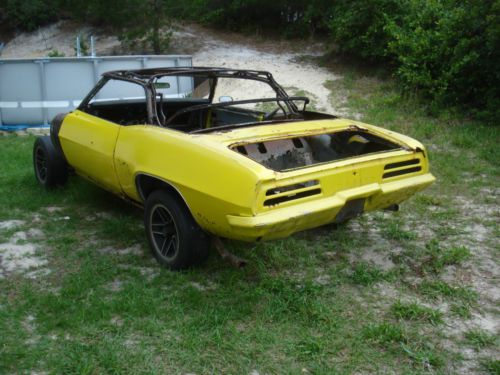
x: 89, y: 134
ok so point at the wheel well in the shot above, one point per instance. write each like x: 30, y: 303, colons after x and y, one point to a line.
x: 147, y: 184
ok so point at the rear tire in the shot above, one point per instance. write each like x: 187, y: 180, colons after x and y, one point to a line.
x: 176, y: 240
x: 51, y: 169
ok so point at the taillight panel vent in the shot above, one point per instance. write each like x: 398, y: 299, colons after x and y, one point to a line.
x: 402, y: 168
x: 287, y: 193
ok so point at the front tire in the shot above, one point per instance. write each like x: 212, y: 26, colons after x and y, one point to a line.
x: 51, y: 169
x: 176, y: 240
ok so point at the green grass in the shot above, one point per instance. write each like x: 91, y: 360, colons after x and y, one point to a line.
x: 394, y: 231
x: 438, y: 288
x: 385, y: 333
x: 365, y: 274
x: 415, y: 312
x: 492, y: 366
x: 318, y: 300
x: 479, y: 338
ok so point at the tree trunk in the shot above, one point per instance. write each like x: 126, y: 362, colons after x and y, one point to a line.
x: 157, y: 17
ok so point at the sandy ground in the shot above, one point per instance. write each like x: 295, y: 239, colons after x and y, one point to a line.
x: 19, y: 255
x: 284, y: 60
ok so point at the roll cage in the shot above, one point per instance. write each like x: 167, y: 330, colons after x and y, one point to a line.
x: 148, y: 77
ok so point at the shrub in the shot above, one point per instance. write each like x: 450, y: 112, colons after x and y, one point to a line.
x: 448, y: 51
x: 27, y: 15
x: 358, y: 27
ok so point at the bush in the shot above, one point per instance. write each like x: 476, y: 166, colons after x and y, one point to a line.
x: 448, y: 51
x: 358, y: 27
x: 290, y: 18
x: 27, y: 15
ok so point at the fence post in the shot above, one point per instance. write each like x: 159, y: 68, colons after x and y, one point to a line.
x: 43, y: 86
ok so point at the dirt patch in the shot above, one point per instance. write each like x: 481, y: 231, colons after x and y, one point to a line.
x: 203, y: 287
x: 132, y: 250
x: 10, y: 224
x: 322, y: 279
x: 147, y: 272
x: 19, y: 258
x: 115, y: 286
x: 52, y: 209
x: 116, y: 321
x: 19, y: 255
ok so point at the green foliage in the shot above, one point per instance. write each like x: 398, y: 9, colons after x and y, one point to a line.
x: 492, y: 366
x: 84, y: 47
x: 359, y: 26
x: 55, y: 53
x: 290, y: 18
x: 479, y: 338
x: 365, y: 274
x: 385, y: 333
x: 27, y: 15
x: 448, y: 51
x: 416, y: 312
x: 438, y: 288
x: 445, y: 50
x: 423, y: 355
x: 394, y: 230
x: 434, y: 258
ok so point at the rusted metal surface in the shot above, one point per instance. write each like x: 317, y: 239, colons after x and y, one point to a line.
x: 289, y: 153
x: 226, y: 255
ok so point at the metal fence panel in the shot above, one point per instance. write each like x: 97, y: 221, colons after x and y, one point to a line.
x: 33, y: 91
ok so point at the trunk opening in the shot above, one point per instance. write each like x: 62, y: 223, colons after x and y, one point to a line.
x: 284, y: 154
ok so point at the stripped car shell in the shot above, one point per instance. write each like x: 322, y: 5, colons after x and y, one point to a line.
x: 244, y: 174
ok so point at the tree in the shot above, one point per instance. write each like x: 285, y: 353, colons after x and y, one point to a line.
x: 150, y: 26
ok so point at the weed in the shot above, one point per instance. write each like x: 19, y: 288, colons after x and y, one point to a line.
x: 439, y: 288
x: 428, y: 200
x: 461, y: 309
x: 365, y: 274
x: 479, y: 338
x: 492, y: 366
x: 416, y: 312
x: 307, y: 348
x: 394, y: 231
x: 424, y: 356
x: 385, y: 333
x: 436, y: 258
x: 55, y: 53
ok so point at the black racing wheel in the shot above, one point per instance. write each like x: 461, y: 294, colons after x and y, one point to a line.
x: 51, y: 169
x: 175, y: 239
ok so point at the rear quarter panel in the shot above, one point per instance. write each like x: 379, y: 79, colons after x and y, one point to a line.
x: 213, y: 180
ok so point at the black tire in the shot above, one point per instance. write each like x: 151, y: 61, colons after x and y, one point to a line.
x: 51, y: 170
x: 176, y: 240
x: 55, y: 127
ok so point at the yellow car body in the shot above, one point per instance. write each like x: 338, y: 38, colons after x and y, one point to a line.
x: 225, y: 191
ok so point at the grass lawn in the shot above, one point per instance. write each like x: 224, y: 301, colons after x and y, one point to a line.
x: 409, y: 292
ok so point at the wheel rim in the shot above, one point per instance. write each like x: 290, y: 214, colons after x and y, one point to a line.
x: 41, y: 164
x: 163, y: 232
